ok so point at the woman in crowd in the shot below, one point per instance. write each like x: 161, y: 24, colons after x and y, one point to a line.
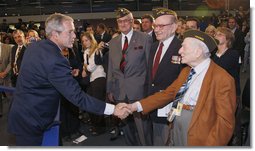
x: 97, y: 87
x: 210, y: 30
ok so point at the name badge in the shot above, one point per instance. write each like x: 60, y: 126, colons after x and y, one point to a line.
x: 179, y: 109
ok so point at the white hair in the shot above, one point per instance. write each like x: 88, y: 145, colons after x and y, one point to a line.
x: 55, y: 23
x: 202, y: 45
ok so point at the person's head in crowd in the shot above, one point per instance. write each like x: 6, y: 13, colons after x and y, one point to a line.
x: 88, y: 41
x: 223, y: 24
x: 225, y: 36
x: 42, y: 34
x: 137, y: 25
x: 196, y: 47
x: 60, y: 29
x: 165, y: 23
x: 32, y: 36
x: 19, y: 37
x: 116, y: 33
x: 147, y: 22
x: 111, y: 30
x: 192, y: 23
x: 23, y: 27
x: 90, y: 29
x: 210, y: 30
x: 232, y: 24
x: 101, y: 28
x: 7, y: 39
x: 125, y: 20
x: 181, y: 26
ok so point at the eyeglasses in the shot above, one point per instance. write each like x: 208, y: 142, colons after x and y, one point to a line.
x: 124, y: 21
x: 161, y: 26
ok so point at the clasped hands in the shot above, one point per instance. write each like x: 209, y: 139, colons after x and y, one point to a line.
x: 122, y: 110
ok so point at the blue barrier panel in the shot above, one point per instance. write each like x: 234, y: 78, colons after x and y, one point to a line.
x: 51, y: 136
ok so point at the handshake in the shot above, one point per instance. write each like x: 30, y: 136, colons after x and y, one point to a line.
x: 122, y: 110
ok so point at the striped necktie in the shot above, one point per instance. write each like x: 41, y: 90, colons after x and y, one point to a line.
x: 183, y: 89
x: 123, y: 59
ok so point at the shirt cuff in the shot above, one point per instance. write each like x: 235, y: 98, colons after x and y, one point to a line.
x: 139, y: 106
x: 109, y: 109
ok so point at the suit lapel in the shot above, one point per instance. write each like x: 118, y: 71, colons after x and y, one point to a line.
x: 119, y: 48
x: 203, y: 94
x: 151, y: 57
x: 132, y: 41
x: 165, y: 59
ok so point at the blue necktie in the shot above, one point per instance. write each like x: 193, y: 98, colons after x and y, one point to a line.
x: 183, y: 89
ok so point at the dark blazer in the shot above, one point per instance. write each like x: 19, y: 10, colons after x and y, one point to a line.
x: 213, y: 119
x: 44, y: 76
x: 154, y: 38
x: 19, y: 59
x: 239, y: 43
x: 167, y: 72
x: 106, y: 37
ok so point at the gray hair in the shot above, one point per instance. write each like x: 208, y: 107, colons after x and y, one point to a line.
x: 55, y: 23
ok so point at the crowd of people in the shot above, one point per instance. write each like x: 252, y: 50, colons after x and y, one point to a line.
x: 160, y: 80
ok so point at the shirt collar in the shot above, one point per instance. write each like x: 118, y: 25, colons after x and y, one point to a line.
x: 168, y: 41
x: 129, y: 35
x: 202, y: 66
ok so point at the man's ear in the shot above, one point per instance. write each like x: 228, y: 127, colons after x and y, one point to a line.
x: 55, y: 34
x: 198, y: 52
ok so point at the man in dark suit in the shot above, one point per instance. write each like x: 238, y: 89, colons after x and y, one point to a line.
x: 126, y: 77
x: 147, y: 26
x: 44, y: 76
x: 168, y: 68
x: 238, y: 43
x: 203, y: 96
x: 17, y: 54
x: 101, y: 34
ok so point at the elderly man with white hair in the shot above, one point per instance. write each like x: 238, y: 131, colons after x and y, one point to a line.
x: 203, y: 96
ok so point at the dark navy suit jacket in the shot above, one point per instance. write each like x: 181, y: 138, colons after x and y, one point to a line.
x: 167, y: 72
x: 44, y: 75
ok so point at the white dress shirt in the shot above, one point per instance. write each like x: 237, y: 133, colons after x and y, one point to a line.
x: 129, y: 35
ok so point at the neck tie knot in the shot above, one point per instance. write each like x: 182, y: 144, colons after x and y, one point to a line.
x: 192, y: 72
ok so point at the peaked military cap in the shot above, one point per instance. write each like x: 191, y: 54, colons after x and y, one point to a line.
x: 121, y: 12
x: 163, y: 11
x: 210, y: 42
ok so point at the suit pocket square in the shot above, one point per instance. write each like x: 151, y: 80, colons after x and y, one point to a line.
x: 139, y: 47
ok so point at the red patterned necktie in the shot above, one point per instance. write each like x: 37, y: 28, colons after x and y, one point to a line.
x: 123, y: 61
x: 157, y: 59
